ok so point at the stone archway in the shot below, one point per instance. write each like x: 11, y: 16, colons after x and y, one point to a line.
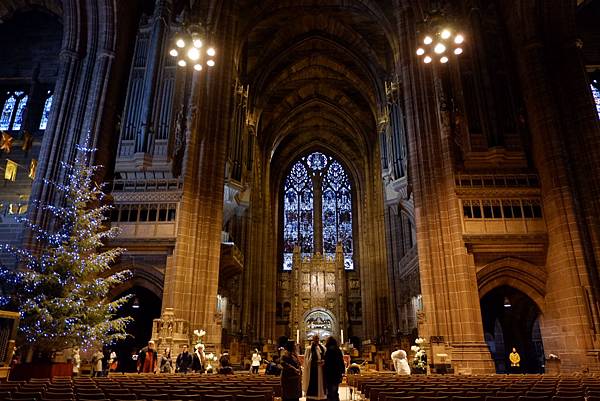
x: 320, y: 321
x: 511, y: 319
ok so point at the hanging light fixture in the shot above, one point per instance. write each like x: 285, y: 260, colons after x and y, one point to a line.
x: 189, y: 49
x: 136, y: 303
x: 507, y: 302
x: 440, y: 40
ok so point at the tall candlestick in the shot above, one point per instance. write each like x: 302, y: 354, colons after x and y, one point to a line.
x: 298, y: 337
x: 342, y: 332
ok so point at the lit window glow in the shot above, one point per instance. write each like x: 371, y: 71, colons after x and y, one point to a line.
x: 336, y: 208
x: 596, y: 94
x: 46, y: 113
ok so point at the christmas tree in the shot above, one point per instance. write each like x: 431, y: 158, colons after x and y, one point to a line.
x: 62, y: 279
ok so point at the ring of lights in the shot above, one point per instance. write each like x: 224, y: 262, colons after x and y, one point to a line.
x: 190, y: 49
x: 440, y: 45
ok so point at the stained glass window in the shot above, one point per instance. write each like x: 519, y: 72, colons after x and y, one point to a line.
x: 7, y: 112
x: 46, y: 112
x: 322, y: 177
x: 19, y: 117
x: 337, y: 212
x: 596, y: 93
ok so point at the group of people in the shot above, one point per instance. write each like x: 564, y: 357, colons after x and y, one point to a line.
x: 320, y: 375
x: 148, y: 361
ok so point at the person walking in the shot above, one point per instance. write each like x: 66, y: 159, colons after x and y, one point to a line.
x: 184, y: 361
x: 166, y: 363
x: 256, y: 359
x: 291, y: 374
x: 147, y: 359
x: 400, y: 362
x: 334, y: 368
x: 313, y: 380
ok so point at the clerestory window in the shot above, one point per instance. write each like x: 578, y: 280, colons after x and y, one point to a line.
x: 11, y: 118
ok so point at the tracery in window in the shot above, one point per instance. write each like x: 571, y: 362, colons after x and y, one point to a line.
x: 12, y: 112
x: 298, y: 213
x: 19, y: 116
x: 7, y: 112
x: 322, y: 178
x: 46, y: 112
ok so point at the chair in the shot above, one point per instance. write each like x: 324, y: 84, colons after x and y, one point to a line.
x: 249, y: 397
x: 401, y: 398
x: 568, y: 398
x: 217, y: 397
x: 153, y: 396
x: 18, y: 395
x: 534, y: 398
x: 467, y: 398
x: 432, y: 398
x: 501, y: 398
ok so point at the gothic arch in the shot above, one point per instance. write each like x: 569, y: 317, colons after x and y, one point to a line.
x: 516, y: 273
x: 142, y: 275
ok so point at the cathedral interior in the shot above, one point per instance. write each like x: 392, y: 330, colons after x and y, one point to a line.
x: 375, y: 170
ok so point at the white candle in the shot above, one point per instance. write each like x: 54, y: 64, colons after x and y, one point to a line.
x: 298, y: 337
x: 342, y: 332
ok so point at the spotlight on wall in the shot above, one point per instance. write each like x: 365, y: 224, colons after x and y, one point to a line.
x: 507, y: 302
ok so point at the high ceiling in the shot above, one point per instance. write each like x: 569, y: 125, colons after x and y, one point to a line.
x: 316, y: 70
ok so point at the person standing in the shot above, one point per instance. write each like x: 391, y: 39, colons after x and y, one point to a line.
x: 97, y: 363
x: 334, y: 368
x: 198, y: 359
x: 256, y: 359
x: 166, y: 363
x: 291, y: 374
x: 147, y: 359
x: 184, y: 361
x: 76, y: 361
x: 312, y: 377
x: 400, y: 362
x: 515, y: 361
x: 112, y: 362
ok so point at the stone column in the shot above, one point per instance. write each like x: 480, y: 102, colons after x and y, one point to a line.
x: 194, y: 275
x: 566, y: 323
x: 448, y: 280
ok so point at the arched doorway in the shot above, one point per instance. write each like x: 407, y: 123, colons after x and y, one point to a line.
x: 320, y: 322
x: 511, y: 319
x: 144, y: 306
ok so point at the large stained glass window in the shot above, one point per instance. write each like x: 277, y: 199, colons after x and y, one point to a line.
x: 46, y: 112
x: 317, y: 191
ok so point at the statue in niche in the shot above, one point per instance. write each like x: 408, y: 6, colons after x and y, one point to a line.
x: 179, y: 142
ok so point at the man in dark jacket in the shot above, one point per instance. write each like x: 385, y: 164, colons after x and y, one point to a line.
x: 184, y: 361
x: 334, y: 369
x: 147, y: 359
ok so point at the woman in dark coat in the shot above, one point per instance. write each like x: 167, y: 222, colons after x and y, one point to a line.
x: 291, y: 374
x: 334, y: 368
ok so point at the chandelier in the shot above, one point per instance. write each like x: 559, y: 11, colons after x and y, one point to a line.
x: 189, y: 48
x: 439, y: 42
